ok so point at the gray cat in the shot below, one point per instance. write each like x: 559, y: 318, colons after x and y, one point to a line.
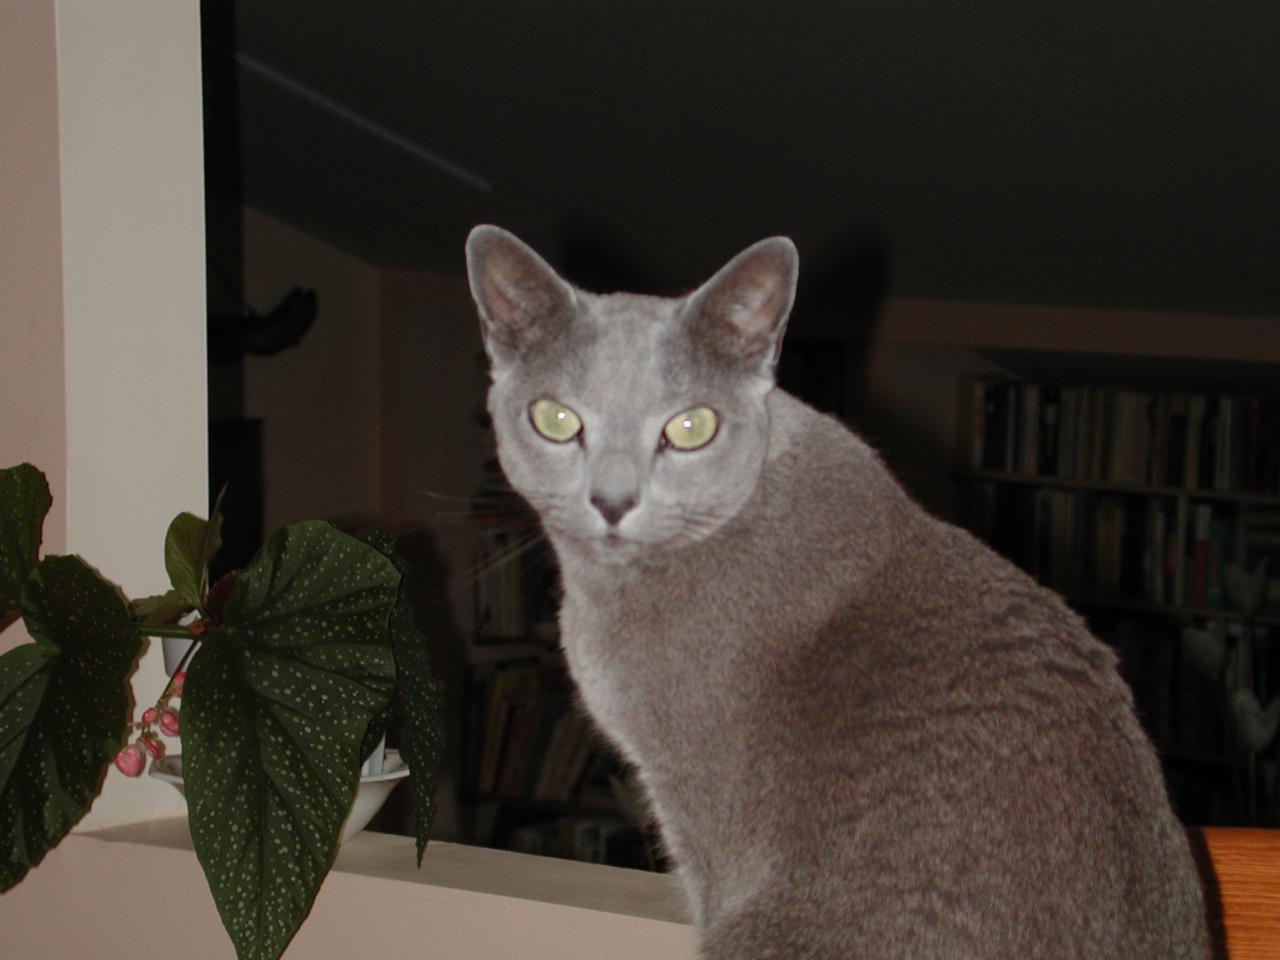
x: 862, y: 733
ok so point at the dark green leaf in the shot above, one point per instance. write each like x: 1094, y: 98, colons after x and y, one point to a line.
x: 376, y: 731
x: 275, y: 707
x: 24, y: 501
x: 420, y: 700
x: 382, y: 542
x: 161, y: 609
x: 63, y: 708
x: 419, y: 696
x: 189, y: 546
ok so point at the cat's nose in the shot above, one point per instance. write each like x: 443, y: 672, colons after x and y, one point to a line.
x: 613, y: 510
x: 615, y: 485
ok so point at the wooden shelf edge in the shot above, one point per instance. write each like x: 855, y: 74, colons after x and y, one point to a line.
x: 567, y: 807
x: 1107, y: 486
x: 1039, y: 327
x: 1171, y: 610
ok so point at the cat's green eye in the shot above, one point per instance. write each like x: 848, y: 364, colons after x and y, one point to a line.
x: 554, y: 421
x: 692, y: 429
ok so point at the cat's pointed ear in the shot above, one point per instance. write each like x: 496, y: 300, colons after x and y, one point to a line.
x: 741, y: 312
x: 520, y: 298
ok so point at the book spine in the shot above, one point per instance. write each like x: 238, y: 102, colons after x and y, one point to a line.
x: 1200, y: 554
x: 1253, y: 455
x: 995, y: 414
x: 1219, y: 536
x: 1175, y: 459
x: 1159, y: 454
x: 1030, y: 429
x: 1208, y: 445
x: 1013, y: 429
x: 1223, y: 444
x: 973, y: 418
x: 1195, y: 429
x: 1068, y: 404
x: 1050, y: 428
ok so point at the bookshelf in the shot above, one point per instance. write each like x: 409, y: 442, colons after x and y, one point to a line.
x: 1136, y: 504
x: 535, y: 775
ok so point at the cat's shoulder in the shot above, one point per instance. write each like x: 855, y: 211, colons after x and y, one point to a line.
x: 803, y: 440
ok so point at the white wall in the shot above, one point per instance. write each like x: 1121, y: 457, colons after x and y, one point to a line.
x: 32, y: 374
x: 102, y: 290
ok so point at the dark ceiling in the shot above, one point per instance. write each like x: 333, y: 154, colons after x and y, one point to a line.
x: 1097, y: 152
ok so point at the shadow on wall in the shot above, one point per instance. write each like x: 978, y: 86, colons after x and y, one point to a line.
x: 845, y: 289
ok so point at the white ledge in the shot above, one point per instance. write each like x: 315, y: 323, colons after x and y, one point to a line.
x: 104, y: 893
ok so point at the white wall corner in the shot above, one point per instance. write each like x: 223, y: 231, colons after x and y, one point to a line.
x: 133, y: 290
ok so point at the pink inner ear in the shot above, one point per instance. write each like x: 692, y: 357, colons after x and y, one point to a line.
x: 507, y: 302
x: 739, y: 313
x: 520, y: 297
x: 756, y: 308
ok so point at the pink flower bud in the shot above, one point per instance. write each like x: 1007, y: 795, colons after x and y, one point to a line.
x: 154, y: 747
x: 149, y: 716
x: 178, y: 680
x: 130, y: 760
x: 169, y: 723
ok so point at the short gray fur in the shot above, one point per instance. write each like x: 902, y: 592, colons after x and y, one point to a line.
x: 862, y: 733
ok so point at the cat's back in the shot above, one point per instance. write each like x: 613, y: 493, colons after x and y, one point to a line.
x: 974, y: 744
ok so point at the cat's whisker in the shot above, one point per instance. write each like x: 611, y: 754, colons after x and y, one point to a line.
x: 472, y: 575
x: 492, y: 506
x: 436, y: 495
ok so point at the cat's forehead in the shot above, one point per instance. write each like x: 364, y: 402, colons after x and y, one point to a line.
x: 623, y: 315
x: 623, y: 353
x: 634, y: 341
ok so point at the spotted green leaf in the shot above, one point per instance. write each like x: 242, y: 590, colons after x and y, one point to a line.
x: 419, y: 696
x: 374, y: 733
x: 274, y: 710
x: 189, y: 546
x: 24, y: 501
x: 63, y: 708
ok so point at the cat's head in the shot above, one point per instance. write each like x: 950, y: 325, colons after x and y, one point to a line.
x: 631, y: 423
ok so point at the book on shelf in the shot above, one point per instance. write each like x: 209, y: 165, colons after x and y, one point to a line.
x: 516, y: 588
x: 1091, y: 545
x: 528, y: 741
x: 1260, y: 535
x: 1196, y: 441
x: 510, y: 691
x: 1180, y: 706
x: 589, y: 839
x: 500, y: 592
x: 1165, y: 491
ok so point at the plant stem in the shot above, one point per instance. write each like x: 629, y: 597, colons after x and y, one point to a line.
x: 182, y: 664
x: 181, y: 633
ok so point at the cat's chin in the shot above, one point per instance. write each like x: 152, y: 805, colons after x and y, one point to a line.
x: 604, y: 549
x: 613, y: 548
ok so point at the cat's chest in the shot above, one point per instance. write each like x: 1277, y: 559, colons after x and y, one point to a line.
x: 655, y: 673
